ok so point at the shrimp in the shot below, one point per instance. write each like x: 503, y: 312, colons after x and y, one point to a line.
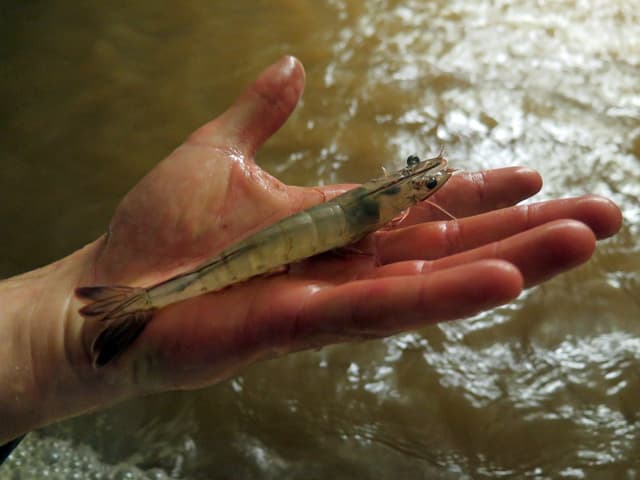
x: 126, y: 311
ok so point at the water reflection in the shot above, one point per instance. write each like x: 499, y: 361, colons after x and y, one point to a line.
x: 546, y: 387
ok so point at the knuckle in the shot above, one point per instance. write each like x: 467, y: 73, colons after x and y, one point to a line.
x: 453, y: 237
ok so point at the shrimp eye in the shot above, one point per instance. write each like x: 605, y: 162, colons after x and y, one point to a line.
x: 412, y: 160
x: 431, y: 182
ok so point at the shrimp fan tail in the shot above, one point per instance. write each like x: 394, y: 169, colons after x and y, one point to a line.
x: 118, y: 335
x: 125, y: 312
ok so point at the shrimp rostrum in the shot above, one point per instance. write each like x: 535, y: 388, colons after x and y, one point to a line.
x: 125, y: 311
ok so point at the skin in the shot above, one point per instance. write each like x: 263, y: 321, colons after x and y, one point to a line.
x: 209, y: 193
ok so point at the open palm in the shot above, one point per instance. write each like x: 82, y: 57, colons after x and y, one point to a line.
x: 209, y: 193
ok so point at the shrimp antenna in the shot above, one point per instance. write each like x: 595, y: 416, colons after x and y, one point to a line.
x: 441, y: 209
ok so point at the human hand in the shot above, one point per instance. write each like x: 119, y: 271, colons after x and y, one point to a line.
x: 209, y: 193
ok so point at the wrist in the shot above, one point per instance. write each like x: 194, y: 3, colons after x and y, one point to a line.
x: 45, y: 369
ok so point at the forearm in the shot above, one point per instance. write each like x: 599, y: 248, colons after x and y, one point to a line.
x: 17, y: 388
x: 45, y: 373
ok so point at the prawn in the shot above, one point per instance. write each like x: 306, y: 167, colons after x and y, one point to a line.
x: 347, y: 218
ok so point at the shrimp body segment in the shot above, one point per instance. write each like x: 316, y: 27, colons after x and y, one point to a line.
x: 341, y: 221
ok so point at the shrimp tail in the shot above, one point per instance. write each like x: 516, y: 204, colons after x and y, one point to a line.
x: 125, y: 311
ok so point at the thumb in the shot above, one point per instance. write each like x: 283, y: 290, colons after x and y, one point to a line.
x: 259, y: 111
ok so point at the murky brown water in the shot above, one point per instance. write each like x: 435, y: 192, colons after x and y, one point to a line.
x: 94, y: 94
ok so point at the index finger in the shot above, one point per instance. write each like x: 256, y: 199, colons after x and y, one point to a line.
x: 464, y: 195
x: 471, y: 193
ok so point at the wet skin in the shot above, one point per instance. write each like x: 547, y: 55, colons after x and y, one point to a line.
x: 209, y: 193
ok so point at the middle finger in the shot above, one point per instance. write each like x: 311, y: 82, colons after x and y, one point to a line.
x: 428, y: 241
